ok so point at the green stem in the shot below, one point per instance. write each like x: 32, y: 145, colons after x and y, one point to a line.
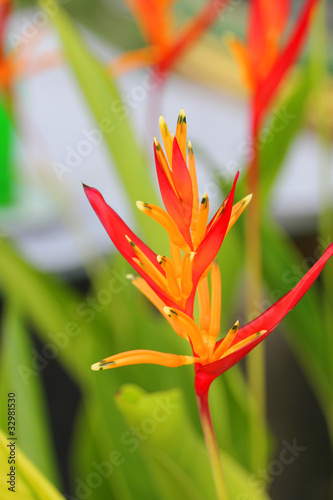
x: 256, y: 359
x: 211, y: 443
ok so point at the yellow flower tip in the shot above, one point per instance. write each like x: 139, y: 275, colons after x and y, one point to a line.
x: 169, y: 312
x: 162, y: 123
x: 204, y: 199
x: 142, y: 206
x: 182, y: 116
x: 102, y: 365
x: 157, y: 144
x: 191, y: 256
x: 190, y: 147
x: 236, y: 325
x: 160, y: 259
x: 130, y: 277
x: 130, y: 241
x: 247, y: 199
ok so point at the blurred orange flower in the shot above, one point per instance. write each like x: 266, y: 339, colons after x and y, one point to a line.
x: 166, y: 43
x: 262, y: 60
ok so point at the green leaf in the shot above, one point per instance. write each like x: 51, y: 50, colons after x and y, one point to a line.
x: 112, y: 115
x: 20, y: 374
x: 30, y: 482
x: 176, y: 453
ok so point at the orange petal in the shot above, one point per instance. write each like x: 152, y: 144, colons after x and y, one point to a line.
x: 191, y: 328
x: 193, y: 174
x: 226, y: 342
x: 181, y: 133
x: 167, y: 139
x: 163, y: 218
x: 200, y: 231
x: 214, y: 326
x: 142, y: 356
x: 238, y: 209
x: 204, y: 304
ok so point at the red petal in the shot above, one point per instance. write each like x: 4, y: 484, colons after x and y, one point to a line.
x: 117, y: 229
x: 272, y: 317
x: 269, y: 319
x: 256, y: 32
x: 266, y: 18
x: 210, y: 245
x: 285, y: 60
x: 182, y: 180
x: 172, y: 202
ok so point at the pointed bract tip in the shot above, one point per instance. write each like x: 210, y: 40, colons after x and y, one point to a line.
x: 247, y: 199
x: 169, y: 312
x: 182, y: 116
x: 204, y: 199
x: 96, y: 367
x: 261, y: 332
x: 160, y: 259
x: 85, y: 186
x: 236, y: 325
x: 162, y: 123
x: 130, y: 241
x: 103, y: 365
x: 140, y: 205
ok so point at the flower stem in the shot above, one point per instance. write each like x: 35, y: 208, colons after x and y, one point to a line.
x: 210, y: 439
x: 256, y: 359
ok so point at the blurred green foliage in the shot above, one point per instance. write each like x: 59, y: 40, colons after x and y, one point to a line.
x: 108, y: 458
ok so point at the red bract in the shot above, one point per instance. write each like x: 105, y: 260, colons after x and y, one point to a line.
x: 263, y: 62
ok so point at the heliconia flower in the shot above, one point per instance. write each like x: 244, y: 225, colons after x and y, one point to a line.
x: 165, y: 43
x: 15, y: 63
x: 171, y: 283
x: 194, y: 242
x: 263, y: 62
